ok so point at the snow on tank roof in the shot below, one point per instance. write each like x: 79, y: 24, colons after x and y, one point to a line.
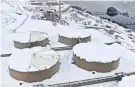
x: 30, y: 36
x: 96, y: 52
x: 33, y: 59
x: 74, y: 33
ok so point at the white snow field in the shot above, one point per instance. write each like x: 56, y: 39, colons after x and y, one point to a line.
x: 68, y: 71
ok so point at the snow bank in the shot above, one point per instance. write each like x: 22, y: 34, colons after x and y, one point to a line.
x: 74, y: 33
x: 95, y: 51
x: 33, y: 59
x: 127, y: 82
x: 32, y: 36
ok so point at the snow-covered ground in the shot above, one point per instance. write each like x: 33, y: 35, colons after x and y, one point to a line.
x: 11, y: 16
x: 127, y: 81
x: 68, y: 71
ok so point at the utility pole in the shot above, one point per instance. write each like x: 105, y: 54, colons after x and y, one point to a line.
x: 30, y: 41
x: 59, y: 9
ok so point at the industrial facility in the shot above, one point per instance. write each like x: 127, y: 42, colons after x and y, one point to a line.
x: 49, y: 43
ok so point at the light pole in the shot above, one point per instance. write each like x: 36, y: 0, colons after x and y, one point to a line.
x: 59, y: 9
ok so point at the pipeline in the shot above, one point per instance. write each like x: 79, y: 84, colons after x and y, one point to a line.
x: 62, y: 48
x: 116, y: 77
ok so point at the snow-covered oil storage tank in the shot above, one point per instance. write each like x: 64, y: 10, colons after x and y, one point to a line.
x: 33, y: 64
x: 95, y: 56
x: 74, y: 36
x: 31, y: 39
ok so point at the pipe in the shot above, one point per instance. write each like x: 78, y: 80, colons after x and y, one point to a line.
x: 130, y: 73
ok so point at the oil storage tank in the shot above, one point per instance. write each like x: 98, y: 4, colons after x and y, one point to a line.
x: 74, y: 36
x: 95, y: 56
x: 31, y: 39
x: 33, y: 64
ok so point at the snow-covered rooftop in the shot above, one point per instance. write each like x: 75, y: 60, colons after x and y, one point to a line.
x: 74, y: 33
x: 30, y: 36
x: 95, y: 52
x: 33, y: 59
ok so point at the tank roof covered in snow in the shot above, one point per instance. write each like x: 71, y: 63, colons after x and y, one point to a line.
x: 74, y: 33
x: 33, y: 59
x: 30, y: 36
x: 95, y: 52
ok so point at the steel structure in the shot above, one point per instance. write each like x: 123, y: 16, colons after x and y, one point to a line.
x: 116, y: 77
x: 62, y: 48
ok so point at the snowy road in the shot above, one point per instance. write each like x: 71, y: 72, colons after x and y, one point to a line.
x: 27, y: 16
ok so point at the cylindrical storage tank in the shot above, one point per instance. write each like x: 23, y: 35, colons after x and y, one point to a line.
x: 74, y: 36
x: 95, y: 56
x: 27, y: 40
x: 33, y: 64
